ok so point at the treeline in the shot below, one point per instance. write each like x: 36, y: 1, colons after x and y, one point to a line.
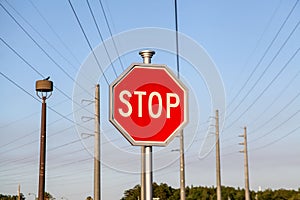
x: 11, y: 197
x: 165, y: 192
x: 47, y: 196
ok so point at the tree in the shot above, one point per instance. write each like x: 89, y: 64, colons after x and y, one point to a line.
x: 89, y: 198
x: 175, y: 195
x: 48, y: 196
x: 10, y: 197
x: 165, y: 192
x: 132, y: 194
x: 162, y: 191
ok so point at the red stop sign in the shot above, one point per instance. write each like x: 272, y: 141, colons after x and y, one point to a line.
x: 148, y: 104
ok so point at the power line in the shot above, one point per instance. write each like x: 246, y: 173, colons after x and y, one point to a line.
x: 50, y: 149
x: 32, y: 132
x: 34, y: 69
x: 270, y: 119
x: 30, y: 158
x: 87, y: 40
x: 254, y: 50
x: 110, y: 32
x: 18, y: 86
x: 261, y: 59
x: 52, y: 109
x: 272, y: 81
x: 55, y: 33
x: 275, y: 128
x: 99, y: 32
x: 65, y: 144
x: 17, y: 120
x: 277, y: 140
x: 22, y: 58
x: 73, y: 162
x: 14, y: 148
x: 59, y: 38
x: 280, y: 93
x: 19, y: 167
x: 266, y: 145
x: 40, y: 47
x: 265, y: 70
x: 177, y: 45
x: 71, y: 175
x: 277, y: 114
x: 41, y: 36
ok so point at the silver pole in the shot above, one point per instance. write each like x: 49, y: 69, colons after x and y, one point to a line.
x: 97, y: 187
x: 146, y: 163
x: 143, y: 173
x: 148, y: 177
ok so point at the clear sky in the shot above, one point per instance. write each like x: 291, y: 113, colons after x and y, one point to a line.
x: 254, y: 46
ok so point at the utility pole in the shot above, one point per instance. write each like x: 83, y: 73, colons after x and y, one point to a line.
x: 182, y: 163
x: 97, y: 187
x: 182, y: 167
x: 19, y: 192
x: 245, y: 151
x: 218, y: 165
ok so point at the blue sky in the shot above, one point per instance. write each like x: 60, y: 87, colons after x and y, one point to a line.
x: 254, y: 47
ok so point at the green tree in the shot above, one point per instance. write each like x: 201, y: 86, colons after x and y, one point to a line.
x: 162, y: 191
x: 10, y: 197
x: 165, y: 192
x: 175, y: 195
x: 48, y: 196
x: 267, y: 194
x: 132, y: 194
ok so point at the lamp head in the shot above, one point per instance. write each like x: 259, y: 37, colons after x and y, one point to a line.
x: 43, y: 87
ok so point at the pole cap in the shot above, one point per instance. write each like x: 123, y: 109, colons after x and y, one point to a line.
x: 147, y: 55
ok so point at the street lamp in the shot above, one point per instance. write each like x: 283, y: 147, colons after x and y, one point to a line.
x: 43, y: 90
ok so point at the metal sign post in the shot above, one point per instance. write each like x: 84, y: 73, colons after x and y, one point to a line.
x: 148, y: 105
x: 146, y: 170
x: 148, y: 173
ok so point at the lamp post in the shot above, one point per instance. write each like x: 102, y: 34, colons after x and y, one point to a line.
x: 44, y: 90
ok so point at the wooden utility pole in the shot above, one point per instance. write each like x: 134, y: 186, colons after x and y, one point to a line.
x: 246, y: 170
x: 218, y: 165
x: 182, y: 167
x: 19, y: 192
x: 182, y: 162
x: 97, y: 187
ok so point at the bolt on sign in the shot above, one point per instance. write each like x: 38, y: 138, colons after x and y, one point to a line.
x: 148, y: 104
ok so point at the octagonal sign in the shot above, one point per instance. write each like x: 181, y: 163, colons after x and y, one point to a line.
x: 148, y: 104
